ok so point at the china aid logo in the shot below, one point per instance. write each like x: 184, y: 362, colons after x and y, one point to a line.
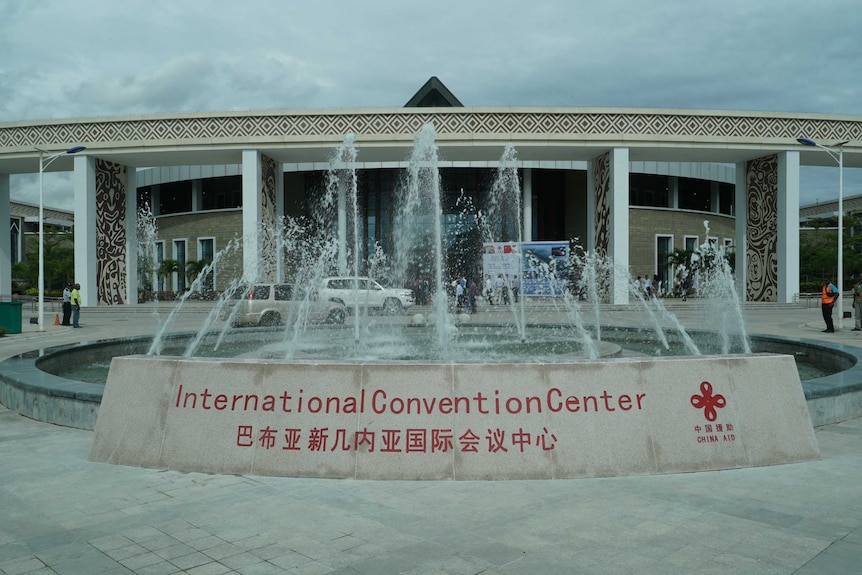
x: 707, y: 401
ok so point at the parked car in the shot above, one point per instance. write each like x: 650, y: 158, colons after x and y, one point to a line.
x: 366, y: 293
x: 275, y: 304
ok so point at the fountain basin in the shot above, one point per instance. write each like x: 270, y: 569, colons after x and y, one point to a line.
x: 445, y: 420
x: 35, y: 384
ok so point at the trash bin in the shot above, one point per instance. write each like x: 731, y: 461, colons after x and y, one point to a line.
x: 10, y: 315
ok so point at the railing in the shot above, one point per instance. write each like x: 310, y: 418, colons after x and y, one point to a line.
x: 808, y: 299
x: 54, y: 304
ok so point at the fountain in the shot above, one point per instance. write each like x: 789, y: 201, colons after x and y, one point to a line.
x: 388, y: 398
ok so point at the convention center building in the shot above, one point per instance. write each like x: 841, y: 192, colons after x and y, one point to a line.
x: 630, y: 184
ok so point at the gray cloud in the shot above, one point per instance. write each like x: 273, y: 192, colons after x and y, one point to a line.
x: 94, y: 58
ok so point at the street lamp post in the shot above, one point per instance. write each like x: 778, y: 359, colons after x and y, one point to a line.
x: 44, y: 162
x: 836, y: 152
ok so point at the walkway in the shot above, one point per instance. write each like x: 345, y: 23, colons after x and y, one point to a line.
x: 60, y: 513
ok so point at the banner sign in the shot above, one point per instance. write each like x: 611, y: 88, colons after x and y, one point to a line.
x: 542, y: 267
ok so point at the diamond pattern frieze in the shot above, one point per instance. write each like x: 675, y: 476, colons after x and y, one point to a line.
x: 409, y: 122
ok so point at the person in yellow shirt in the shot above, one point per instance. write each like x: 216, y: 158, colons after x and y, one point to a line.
x: 76, y: 304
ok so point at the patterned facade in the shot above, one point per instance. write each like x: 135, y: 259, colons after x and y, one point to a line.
x: 602, y: 171
x: 761, y: 215
x: 268, y: 247
x: 110, y: 233
x: 287, y: 127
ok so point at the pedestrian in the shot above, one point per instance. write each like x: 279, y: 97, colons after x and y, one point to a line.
x: 67, y: 304
x: 75, y: 300
x: 857, y: 303
x: 489, y: 290
x: 516, y: 287
x: 499, y: 284
x: 828, y: 295
x: 646, y: 286
x: 472, y: 294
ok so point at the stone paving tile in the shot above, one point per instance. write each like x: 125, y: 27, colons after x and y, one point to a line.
x: 800, y: 519
x: 210, y: 569
x: 138, y: 562
x: 840, y: 558
x: 191, y: 560
x: 262, y: 568
x: 160, y: 568
x: 22, y: 565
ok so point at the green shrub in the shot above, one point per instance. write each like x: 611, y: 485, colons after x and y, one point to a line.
x: 2, y: 331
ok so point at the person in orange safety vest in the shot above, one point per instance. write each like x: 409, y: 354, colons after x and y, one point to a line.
x: 828, y: 295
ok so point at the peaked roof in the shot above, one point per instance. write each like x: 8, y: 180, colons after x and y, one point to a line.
x: 433, y: 94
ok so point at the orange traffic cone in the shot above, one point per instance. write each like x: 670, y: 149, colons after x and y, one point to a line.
x: 56, y: 319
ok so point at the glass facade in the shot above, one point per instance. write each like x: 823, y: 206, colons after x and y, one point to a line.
x: 649, y: 190
x: 694, y: 194
x: 221, y: 193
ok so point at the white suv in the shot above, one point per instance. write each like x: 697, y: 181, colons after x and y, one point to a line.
x: 366, y: 293
x: 275, y: 304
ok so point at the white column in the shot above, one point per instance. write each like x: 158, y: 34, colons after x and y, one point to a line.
x: 618, y: 247
x: 5, y: 243
x: 131, y: 235
x: 527, y: 223
x: 740, y: 203
x: 86, y: 270
x: 252, y: 213
x: 788, y: 226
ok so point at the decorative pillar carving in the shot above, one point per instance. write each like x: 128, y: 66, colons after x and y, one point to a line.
x: 602, y: 187
x: 110, y: 233
x: 761, y: 224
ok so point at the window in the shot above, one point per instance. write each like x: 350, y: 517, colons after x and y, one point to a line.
x: 649, y: 190
x: 175, y: 197
x: 160, y: 257
x: 663, y: 249
x: 283, y: 292
x: 690, y: 243
x: 206, y: 252
x: 221, y: 193
x: 259, y: 292
x: 694, y: 194
x: 180, y: 257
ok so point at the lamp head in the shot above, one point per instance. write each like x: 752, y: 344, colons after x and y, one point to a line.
x: 806, y: 142
x: 76, y: 149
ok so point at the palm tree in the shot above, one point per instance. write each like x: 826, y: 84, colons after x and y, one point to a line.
x: 194, y: 269
x: 166, y: 270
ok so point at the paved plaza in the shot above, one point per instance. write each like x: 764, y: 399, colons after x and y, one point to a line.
x: 60, y: 513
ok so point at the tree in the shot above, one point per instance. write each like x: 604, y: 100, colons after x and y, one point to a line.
x: 681, y: 260
x: 195, y: 268
x: 166, y: 270
x: 59, y: 256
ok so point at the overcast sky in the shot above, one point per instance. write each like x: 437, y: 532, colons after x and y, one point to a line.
x: 61, y: 59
